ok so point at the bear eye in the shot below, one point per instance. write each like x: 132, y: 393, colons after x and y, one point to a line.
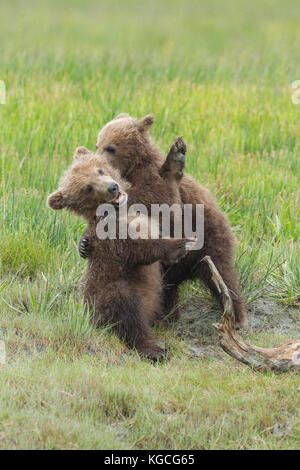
x: 101, y: 172
x: 89, y: 188
x: 110, y: 149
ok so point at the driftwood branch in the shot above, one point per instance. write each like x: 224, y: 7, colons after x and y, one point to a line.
x: 281, y: 359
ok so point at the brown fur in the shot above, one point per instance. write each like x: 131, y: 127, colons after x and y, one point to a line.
x: 139, y: 162
x: 122, y: 284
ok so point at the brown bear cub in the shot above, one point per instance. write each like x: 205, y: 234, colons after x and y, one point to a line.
x: 127, y: 145
x: 122, y: 284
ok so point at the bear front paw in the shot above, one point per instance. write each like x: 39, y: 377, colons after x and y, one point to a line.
x: 175, y: 161
x: 85, y: 248
x: 178, y: 249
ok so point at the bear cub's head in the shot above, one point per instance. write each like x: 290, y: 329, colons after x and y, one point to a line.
x: 126, y: 143
x: 89, y: 182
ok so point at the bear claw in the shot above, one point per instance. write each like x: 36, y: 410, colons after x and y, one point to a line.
x: 180, y: 146
x: 85, y: 248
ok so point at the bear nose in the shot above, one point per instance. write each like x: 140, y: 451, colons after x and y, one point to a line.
x: 113, y: 188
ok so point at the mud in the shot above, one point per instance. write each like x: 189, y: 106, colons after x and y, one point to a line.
x: 264, y: 316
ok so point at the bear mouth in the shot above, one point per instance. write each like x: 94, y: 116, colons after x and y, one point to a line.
x: 120, y: 199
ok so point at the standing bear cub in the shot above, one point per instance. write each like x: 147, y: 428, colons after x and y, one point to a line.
x: 122, y: 284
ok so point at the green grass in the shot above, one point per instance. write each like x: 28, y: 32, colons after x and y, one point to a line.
x: 219, y: 73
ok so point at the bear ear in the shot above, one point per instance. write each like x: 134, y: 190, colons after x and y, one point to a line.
x: 81, y: 152
x: 145, y: 123
x: 56, y: 201
x: 121, y: 116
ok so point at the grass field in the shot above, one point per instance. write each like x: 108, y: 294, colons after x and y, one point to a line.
x: 220, y: 74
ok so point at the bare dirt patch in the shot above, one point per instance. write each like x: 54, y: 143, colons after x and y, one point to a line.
x: 264, y: 315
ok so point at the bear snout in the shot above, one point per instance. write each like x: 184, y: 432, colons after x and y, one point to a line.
x: 113, y: 188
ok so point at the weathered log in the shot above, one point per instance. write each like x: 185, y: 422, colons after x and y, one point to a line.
x: 281, y: 359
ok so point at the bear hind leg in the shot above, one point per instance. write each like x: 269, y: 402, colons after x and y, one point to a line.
x: 122, y: 309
